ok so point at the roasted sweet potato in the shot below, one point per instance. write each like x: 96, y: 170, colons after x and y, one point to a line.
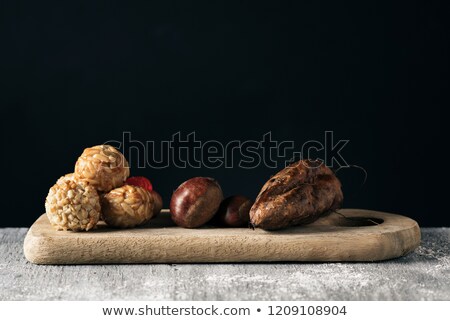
x: 298, y: 194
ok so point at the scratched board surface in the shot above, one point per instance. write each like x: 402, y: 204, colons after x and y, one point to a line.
x: 362, y: 235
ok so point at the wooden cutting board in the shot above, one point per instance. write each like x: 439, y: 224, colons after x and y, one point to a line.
x: 363, y: 236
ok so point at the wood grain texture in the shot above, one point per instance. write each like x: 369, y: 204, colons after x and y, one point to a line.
x: 331, y: 238
x: 420, y: 275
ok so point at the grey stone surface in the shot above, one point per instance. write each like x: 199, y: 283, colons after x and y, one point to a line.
x: 422, y: 275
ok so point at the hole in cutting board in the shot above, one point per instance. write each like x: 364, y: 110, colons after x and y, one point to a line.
x: 359, y: 221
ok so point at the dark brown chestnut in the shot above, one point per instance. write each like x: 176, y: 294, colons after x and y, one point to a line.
x: 195, y: 202
x: 158, y: 203
x: 233, y: 212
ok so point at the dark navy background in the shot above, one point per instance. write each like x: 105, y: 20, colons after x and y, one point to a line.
x: 76, y: 74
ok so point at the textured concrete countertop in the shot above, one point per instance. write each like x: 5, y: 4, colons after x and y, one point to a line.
x: 422, y: 275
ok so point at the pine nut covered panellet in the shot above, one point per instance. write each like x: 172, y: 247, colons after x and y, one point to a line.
x: 102, y: 167
x: 127, y: 206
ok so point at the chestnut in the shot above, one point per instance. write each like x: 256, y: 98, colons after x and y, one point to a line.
x: 157, y: 202
x: 195, y: 202
x: 233, y: 212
